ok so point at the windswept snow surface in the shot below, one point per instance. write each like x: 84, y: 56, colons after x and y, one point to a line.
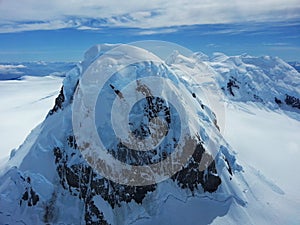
x: 24, y: 104
x: 263, y: 134
x: 268, y: 141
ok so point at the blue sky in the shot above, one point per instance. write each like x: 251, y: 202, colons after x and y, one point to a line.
x: 57, y: 30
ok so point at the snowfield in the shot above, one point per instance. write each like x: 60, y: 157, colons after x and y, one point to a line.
x: 257, y: 160
x: 268, y: 141
x: 24, y: 104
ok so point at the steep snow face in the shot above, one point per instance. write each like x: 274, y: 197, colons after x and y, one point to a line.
x: 267, y: 80
x: 47, y: 180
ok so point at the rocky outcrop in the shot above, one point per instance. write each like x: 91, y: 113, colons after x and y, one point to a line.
x: 292, y: 101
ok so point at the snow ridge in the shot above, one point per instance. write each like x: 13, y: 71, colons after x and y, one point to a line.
x: 268, y: 80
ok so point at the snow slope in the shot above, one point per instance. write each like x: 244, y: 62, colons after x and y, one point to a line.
x: 25, y: 103
x: 266, y: 140
x: 47, y: 180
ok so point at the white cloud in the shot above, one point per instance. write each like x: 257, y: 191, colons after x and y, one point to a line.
x: 55, y: 14
x: 88, y: 28
x: 212, y: 45
x: 12, y: 66
x: 11, y: 69
x: 47, y: 25
x: 157, y: 31
x: 276, y: 44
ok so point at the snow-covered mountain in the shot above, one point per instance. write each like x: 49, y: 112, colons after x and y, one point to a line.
x: 268, y: 80
x: 48, y: 181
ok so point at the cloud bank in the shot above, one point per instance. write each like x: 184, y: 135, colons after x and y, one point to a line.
x: 25, y: 15
x: 11, y: 69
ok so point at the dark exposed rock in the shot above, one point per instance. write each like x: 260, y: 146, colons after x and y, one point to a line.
x: 277, y: 101
x: 34, y: 197
x: 118, y: 93
x: 50, y: 210
x: 192, y: 175
x: 72, y: 142
x: 257, y: 98
x: 25, y: 196
x: 232, y: 83
x: 58, y: 102
x: 92, y: 214
x: 58, y: 154
x: 80, y: 181
x: 83, y: 182
x: 155, y: 106
x: 133, y: 157
x: 216, y: 124
x: 292, y: 101
x: 30, y: 197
